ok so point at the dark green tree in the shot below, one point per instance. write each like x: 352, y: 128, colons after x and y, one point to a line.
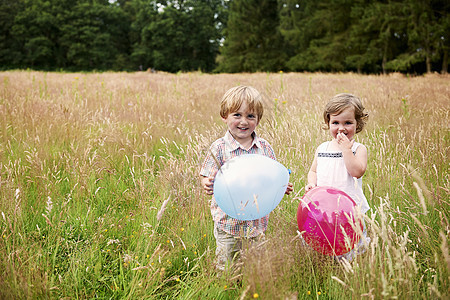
x: 142, y: 13
x: 94, y: 35
x: 176, y: 35
x: 319, y: 33
x: 444, y: 22
x: 35, y: 33
x: 253, y: 41
x: 378, y: 34
x: 427, y: 36
x: 369, y: 36
x: 77, y: 35
x: 365, y: 54
x: 10, y: 54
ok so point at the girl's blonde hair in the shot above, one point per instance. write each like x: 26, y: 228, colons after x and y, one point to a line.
x: 341, y: 102
x: 234, y: 98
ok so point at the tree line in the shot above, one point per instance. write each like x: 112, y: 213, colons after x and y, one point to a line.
x: 375, y: 36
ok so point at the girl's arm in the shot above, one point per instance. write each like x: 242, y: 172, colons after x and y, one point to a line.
x: 356, y: 164
x: 312, y: 175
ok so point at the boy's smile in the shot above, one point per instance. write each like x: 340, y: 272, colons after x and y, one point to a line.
x: 241, y: 125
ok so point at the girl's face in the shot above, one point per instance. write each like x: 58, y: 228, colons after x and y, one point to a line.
x: 242, y: 123
x: 344, y: 122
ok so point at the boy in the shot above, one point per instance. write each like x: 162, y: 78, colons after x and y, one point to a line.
x: 241, y: 109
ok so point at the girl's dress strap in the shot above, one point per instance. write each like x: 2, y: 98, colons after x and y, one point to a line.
x: 355, y: 146
x: 323, y: 147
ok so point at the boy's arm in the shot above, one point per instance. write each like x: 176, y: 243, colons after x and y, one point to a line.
x: 207, y: 184
x: 289, y: 188
x: 209, y: 170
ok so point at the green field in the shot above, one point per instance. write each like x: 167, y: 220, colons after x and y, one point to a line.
x: 100, y: 194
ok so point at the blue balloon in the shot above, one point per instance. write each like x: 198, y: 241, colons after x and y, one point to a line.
x: 249, y: 187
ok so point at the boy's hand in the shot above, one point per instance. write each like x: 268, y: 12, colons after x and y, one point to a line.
x: 208, y: 185
x: 289, y: 188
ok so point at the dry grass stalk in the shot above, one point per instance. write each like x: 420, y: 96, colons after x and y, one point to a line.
x: 444, y: 249
x: 162, y: 209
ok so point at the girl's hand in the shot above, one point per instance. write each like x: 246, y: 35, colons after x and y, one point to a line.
x: 310, y: 186
x: 343, y: 142
x: 356, y: 163
x: 208, y: 185
x: 289, y: 188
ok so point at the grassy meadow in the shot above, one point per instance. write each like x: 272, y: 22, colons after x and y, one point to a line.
x: 100, y: 195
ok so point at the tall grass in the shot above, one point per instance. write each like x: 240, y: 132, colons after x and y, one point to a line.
x: 100, y: 195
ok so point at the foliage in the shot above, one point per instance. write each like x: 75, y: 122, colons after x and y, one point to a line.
x: 226, y: 35
x: 182, y: 37
x: 257, y: 48
x: 110, y: 35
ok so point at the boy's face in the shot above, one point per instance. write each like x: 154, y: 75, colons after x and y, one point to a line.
x: 242, y: 123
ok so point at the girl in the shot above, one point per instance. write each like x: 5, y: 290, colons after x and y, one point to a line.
x: 342, y: 162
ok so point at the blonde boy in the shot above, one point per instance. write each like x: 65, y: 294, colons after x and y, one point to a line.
x: 241, y: 109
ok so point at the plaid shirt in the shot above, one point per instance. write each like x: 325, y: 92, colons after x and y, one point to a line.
x: 225, y: 149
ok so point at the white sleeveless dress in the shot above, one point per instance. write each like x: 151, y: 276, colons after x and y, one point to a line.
x: 331, y: 171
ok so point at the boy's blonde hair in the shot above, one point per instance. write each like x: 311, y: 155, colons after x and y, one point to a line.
x: 341, y: 102
x: 234, y: 98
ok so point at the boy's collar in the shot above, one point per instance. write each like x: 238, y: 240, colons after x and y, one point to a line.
x: 232, y: 144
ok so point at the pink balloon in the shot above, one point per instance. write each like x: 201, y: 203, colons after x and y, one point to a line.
x: 327, y: 219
